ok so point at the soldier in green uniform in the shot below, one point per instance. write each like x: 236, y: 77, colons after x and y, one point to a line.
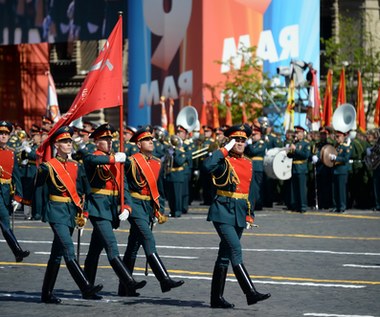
x: 29, y: 172
x: 67, y: 186
x: 103, y: 171
x: 231, y: 212
x: 256, y: 151
x: 323, y: 172
x: 299, y: 151
x: 130, y: 147
x: 340, y: 172
x: 148, y: 206
x: 11, y: 195
x: 208, y: 192
x: 175, y: 176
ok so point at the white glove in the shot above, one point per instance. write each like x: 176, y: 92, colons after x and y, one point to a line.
x: 124, y: 215
x: 26, y: 147
x: 332, y: 157
x: 80, y: 143
x: 24, y: 162
x: 369, y: 151
x: 16, y: 205
x: 249, y: 141
x: 230, y: 145
x: 120, y: 157
x: 171, y: 151
x: 314, y: 159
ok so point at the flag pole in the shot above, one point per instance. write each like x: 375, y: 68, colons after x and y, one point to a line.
x: 121, y: 134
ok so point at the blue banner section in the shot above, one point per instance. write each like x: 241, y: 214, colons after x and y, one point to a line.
x: 138, y: 63
x: 295, y: 28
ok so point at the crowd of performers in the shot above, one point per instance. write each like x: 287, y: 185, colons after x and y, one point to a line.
x: 81, y: 182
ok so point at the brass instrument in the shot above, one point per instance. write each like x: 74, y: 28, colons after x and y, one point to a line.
x: 200, y: 152
x: 176, y: 141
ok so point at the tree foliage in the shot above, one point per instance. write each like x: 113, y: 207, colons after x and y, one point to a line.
x: 354, y: 49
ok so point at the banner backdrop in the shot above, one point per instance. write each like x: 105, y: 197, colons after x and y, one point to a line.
x: 174, y: 46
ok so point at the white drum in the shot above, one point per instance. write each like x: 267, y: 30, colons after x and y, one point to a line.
x: 277, y: 164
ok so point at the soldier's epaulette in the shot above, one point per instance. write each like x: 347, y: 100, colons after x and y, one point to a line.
x: 181, y: 149
x: 73, y: 161
x: 247, y: 158
x: 156, y: 158
x: 187, y: 142
x: 307, y: 141
x: 346, y: 144
x: 261, y: 141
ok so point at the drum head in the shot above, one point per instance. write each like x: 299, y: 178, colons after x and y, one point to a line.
x: 277, y: 164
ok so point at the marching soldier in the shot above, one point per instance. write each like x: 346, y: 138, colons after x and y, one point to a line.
x: 340, y: 172
x: 299, y: 151
x: 11, y: 190
x: 230, y: 212
x: 143, y: 171
x: 67, y: 185
x: 103, y: 171
x: 256, y: 151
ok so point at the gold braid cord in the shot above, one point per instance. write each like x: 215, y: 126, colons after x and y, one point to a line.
x: 232, y: 177
x: 134, y: 174
x: 61, y: 188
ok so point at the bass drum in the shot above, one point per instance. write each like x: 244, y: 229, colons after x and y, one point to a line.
x: 277, y: 164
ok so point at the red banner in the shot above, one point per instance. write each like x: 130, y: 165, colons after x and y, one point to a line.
x: 101, y: 89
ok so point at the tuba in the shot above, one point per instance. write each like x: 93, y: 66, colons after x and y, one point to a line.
x: 188, y: 118
x: 344, y: 120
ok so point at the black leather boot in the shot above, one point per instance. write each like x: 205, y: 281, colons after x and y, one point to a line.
x: 161, y: 274
x: 123, y: 291
x: 125, y: 276
x: 51, y: 273
x: 13, y: 244
x: 217, y: 288
x: 90, y: 268
x: 88, y: 290
x: 247, y: 286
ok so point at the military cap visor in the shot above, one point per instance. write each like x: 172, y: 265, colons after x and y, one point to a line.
x: 6, y: 127
x: 105, y: 130
x: 238, y: 131
x: 62, y: 133
x: 142, y: 133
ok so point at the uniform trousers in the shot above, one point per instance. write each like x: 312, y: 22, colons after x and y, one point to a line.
x: 140, y: 234
x: 339, y: 192
x: 229, y: 245
x: 62, y: 244
x: 102, y: 237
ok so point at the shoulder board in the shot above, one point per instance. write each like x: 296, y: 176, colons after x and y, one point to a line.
x: 9, y: 148
x: 72, y: 161
x: 307, y: 141
x: 156, y: 158
x: 187, y: 142
x: 346, y: 144
x: 261, y: 142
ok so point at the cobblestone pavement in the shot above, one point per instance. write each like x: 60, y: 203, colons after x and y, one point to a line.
x: 314, y: 264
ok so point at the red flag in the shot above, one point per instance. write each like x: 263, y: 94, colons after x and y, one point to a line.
x: 52, y: 108
x: 215, y: 114
x: 203, y: 119
x: 360, y: 115
x: 164, y: 118
x: 171, y: 117
x: 101, y: 89
x: 314, y: 115
x: 328, y: 100
x: 376, y: 118
x: 341, y: 99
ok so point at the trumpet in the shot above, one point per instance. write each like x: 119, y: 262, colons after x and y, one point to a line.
x: 200, y: 152
x: 176, y: 141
